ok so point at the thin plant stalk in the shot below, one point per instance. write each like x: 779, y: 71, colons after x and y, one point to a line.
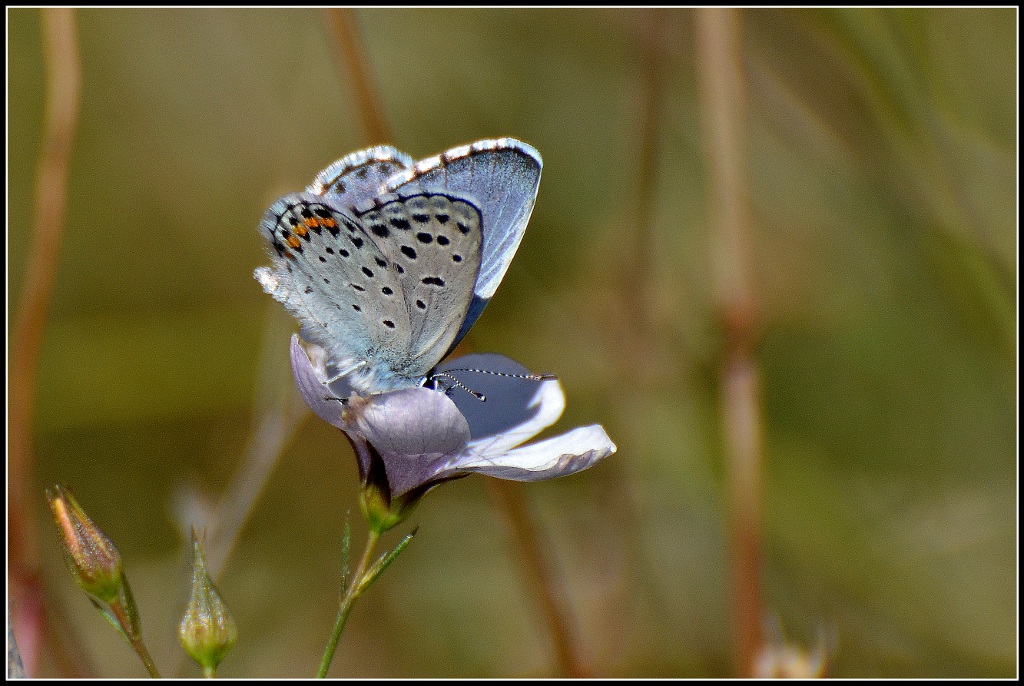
x: 357, y: 584
x: 657, y: 23
x: 352, y: 57
x: 276, y: 427
x: 720, y: 68
x: 130, y: 630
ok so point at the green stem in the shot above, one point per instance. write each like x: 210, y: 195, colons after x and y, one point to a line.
x: 355, y: 587
x: 210, y: 672
x: 134, y: 638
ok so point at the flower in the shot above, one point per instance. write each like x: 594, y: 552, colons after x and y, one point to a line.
x: 408, y: 441
x: 90, y: 555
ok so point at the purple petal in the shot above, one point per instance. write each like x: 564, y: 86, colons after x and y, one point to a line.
x: 322, y: 400
x: 414, y: 430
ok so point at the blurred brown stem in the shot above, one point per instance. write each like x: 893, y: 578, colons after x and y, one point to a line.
x: 63, y: 77
x: 720, y: 71
x: 275, y: 429
x: 657, y: 25
x: 536, y: 566
x: 352, y: 58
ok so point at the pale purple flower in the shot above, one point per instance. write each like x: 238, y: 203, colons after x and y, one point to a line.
x: 420, y: 437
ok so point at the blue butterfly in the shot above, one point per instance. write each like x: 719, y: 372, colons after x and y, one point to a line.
x: 388, y: 262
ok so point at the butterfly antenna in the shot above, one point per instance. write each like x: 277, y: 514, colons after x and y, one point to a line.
x: 458, y: 384
x: 527, y: 377
x: 480, y: 396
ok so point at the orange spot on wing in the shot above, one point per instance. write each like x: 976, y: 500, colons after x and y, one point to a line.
x: 293, y: 241
x: 300, y: 230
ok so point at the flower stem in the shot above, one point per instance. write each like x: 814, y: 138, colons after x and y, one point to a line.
x: 134, y: 638
x: 355, y: 588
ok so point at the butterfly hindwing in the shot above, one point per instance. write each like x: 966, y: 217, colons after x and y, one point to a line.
x: 360, y: 176
x: 500, y: 177
x: 434, y: 243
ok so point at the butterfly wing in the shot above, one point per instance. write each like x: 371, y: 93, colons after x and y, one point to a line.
x: 432, y: 241
x: 339, y: 283
x: 388, y: 263
x: 500, y: 177
x: 360, y: 176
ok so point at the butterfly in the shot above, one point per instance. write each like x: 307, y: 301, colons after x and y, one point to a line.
x: 388, y: 262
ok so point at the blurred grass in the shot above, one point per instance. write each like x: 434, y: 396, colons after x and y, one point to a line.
x: 883, y: 169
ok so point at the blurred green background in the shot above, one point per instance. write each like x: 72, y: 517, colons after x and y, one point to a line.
x: 882, y: 158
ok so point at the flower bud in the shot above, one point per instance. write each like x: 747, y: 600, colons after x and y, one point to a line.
x: 383, y: 512
x: 92, y: 557
x: 207, y: 631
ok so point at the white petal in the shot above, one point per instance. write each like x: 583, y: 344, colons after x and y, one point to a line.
x: 549, y: 401
x: 415, y: 431
x: 494, y: 393
x: 558, y: 456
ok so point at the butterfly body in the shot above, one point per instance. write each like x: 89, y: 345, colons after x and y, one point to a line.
x: 387, y: 262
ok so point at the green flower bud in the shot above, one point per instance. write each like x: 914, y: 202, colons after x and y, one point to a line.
x: 383, y: 512
x: 92, y: 557
x: 207, y: 631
